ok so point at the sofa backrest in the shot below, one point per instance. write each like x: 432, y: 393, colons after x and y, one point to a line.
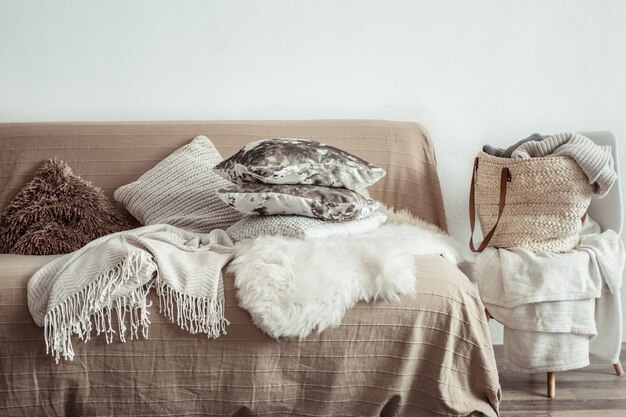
x: 115, y: 153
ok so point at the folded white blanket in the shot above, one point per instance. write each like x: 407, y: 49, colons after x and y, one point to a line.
x: 532, y: 352
x: 576, y: 292
x: 576, y: 316
x: 112, y: 276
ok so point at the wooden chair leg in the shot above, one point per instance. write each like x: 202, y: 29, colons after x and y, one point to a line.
x: 551, y: 384
x: 618, y: 368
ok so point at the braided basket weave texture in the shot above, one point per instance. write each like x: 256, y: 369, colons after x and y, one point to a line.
x: 546, y: 198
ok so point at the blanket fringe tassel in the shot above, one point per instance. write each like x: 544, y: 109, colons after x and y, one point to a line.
x: 194, y: 314
x: 74, y: 315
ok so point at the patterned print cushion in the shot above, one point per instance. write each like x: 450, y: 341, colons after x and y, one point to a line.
x: 324, y: 203
x: 301, y: 227
x: 298, y: 161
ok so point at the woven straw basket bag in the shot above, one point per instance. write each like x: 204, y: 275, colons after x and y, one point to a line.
x: 536, y: 204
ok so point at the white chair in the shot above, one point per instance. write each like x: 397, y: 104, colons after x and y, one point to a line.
x: 608, y: 213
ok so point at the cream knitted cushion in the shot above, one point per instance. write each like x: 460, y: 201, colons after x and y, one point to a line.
x: 301, y: 227
x: 180, y: 191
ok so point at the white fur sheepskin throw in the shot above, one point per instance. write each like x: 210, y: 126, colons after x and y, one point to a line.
x: 292, y: 287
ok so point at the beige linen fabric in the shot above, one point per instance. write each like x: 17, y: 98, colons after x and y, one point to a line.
x: 428, y: 355
x: 114, y: 154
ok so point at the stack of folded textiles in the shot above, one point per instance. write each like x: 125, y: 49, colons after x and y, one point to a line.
x: 557, y: 308
x: 299, y: 188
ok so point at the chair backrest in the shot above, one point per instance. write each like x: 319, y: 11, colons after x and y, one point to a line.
x: 608, y: 211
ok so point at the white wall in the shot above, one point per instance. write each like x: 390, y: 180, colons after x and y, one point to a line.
x: 472, y: 72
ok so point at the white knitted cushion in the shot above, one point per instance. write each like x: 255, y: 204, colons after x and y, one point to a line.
x: 180, y: 191
x: 301, y: 227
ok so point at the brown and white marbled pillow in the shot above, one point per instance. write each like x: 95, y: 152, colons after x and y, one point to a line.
x: 326, y: 203
x: 298, y: 161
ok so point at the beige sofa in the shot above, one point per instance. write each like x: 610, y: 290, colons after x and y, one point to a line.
x: 426, y: 355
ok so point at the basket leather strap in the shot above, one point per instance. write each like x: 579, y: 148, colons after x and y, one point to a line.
x: 582, y: 219
x: 505, y: 176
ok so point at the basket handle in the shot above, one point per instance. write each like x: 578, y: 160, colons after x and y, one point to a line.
x: 505, y: 176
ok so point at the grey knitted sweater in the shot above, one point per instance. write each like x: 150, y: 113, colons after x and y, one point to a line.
x: 595, y: 161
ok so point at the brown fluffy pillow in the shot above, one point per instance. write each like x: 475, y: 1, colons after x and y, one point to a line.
x: 57, y: 212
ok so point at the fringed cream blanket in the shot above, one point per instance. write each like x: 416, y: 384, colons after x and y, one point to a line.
x: 113, y: 275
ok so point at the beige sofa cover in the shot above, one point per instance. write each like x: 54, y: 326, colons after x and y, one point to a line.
x: 114, y: 154
x: 428, y: 355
